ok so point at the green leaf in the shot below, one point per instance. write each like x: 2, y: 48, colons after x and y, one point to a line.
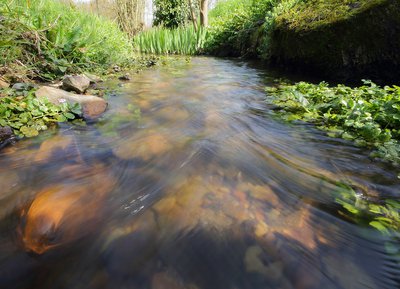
x: 379, y: 226
x: 61, y: 118
x: 29, y: 131
x: 69, y: 115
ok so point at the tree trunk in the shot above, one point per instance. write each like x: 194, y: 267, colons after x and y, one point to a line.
x: 193, y: 15
x: 204, y: 13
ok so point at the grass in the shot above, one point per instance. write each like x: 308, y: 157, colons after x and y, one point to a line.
x: 47, y: 38
x: 182, y: 40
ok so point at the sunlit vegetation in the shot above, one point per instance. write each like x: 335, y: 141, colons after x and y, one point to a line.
x: 182, y: 40
x: 177, y: 29
x: 314, y: 13
x: 383, y: 215
x: 369, y: 115
x: 46, y: 38
x: 28, y: 115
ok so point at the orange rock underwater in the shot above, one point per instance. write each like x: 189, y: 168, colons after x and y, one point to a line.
x: 65, y: 212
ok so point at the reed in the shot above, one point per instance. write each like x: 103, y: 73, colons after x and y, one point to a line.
x: 182, y: 40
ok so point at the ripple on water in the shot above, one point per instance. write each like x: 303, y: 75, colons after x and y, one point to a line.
x: 203, y: 189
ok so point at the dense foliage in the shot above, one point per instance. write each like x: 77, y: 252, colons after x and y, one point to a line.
x: 48, y: 38
x: 27, y: 115
x: 368, y: 115
x: 171, y: 13
x: 182, y: 40
x: 232, y: 24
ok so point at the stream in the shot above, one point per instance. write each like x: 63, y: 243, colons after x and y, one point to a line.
x: 190, y: 181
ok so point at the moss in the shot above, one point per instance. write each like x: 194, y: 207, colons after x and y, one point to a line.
x: 313, y: 13
x: 340, y: 39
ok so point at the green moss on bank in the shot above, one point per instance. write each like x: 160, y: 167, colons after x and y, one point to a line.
x: 314, y: 13
x: 340, y: 39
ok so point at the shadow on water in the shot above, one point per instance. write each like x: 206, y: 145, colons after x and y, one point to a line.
x: 201, y: 189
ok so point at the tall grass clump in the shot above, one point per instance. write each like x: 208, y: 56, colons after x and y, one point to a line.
x: 183, y: 40
x: 49, y: 38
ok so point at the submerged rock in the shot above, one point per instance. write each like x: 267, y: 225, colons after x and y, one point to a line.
x: 255, y: 262
x: 54, y: 147
x: 145, y: 148
x: 93, y: 78
x: 77, y: 83
x: 66, y: 212
x: 92, y: 106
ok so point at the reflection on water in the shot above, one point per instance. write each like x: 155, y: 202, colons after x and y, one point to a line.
x: 201, y: 189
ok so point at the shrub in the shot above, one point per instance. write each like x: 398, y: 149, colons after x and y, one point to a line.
x: 235, y: 25
x: 171, y: 13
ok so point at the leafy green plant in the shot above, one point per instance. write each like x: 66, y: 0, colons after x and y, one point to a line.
x: 27, y: 115
x: 383, y: 215
x: 50, y: 38
x: 369, y: 115
x: 171, y: 13
x: 235, y: 26
x: 182, y: 40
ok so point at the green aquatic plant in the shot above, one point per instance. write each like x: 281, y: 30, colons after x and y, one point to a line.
x: 28, y: 115
x: 182, y: 40
x: 369, y: 115
x: 383, y: 215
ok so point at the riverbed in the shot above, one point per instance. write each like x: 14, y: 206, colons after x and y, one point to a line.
x: 190, y: 181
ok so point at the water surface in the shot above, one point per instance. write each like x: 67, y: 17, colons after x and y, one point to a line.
x: 190, y: 181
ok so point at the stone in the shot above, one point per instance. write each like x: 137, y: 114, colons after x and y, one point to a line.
x: 9, y: 182
x: 93, y: 78
x: 20, y: 86
x: 254, y: 263
x: 5, y: 133
x: 4, y: 84
x: 145, y: 148
x: 172, y: 113
x: 65, y: 212
x: 53, y: 147
x: 126, y: 76
x: 92, y: 106
x: 77, y: 83
x: 116, y: 68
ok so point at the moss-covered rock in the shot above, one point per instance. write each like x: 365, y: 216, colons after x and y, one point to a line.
x: 347, y: 39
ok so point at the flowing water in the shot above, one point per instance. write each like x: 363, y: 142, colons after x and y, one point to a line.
x: 204, y: 188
